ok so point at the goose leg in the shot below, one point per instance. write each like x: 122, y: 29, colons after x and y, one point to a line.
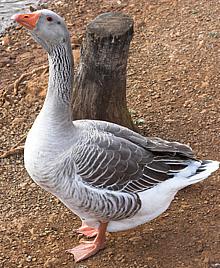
x: 87, y: 231
x: 89, y: 248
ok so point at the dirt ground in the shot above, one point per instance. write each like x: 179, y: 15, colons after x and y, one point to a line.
x: 173, y: 93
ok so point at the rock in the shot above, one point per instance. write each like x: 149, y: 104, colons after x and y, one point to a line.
x: 29, y: 258
x: 50, y: 263
x: 6, y: 41
x: 17, y: 121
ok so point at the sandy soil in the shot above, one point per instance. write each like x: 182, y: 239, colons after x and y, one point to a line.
x: 173, y: 87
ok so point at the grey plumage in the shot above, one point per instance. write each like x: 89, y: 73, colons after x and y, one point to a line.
x: 116, y: 158
x: 113, y: 159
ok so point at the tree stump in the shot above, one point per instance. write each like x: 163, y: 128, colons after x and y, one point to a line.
x: 100, y: 83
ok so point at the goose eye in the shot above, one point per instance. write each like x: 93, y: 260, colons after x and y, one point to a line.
x: 49, y: 19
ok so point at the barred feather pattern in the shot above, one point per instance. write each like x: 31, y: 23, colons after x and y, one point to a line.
x: 61, y: 73
x: 118, y: 159
x: 62, y: 180
x: 105, y: 167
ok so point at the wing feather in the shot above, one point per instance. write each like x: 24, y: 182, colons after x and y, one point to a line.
x: 118, y: 159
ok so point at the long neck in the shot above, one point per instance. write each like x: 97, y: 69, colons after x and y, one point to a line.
x: 57, y: 104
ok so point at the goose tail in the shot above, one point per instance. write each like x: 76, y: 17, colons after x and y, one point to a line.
x: 206, y: 168
x: 195, y: 172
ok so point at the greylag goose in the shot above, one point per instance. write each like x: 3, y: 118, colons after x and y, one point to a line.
x: 111, y: 177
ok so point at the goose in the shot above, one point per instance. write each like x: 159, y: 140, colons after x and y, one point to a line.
x: 113, y: 178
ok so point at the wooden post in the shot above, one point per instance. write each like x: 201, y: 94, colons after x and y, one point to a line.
x: 100, y: 83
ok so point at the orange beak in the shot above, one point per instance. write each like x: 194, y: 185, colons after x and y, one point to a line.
x: 29, y: 21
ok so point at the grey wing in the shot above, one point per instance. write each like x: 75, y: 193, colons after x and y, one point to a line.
x: 153, y: 144
x: 111, y: 162
x: 108, y: 162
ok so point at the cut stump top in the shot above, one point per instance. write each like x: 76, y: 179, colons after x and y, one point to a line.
x: 111, y: 23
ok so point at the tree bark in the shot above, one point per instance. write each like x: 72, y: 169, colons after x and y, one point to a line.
x: 100, y: 83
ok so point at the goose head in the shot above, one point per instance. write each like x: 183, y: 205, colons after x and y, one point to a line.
x: 46, y: 27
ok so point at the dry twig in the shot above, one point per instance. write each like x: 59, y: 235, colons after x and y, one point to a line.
x: 12, y: 151
x: 18, y: 81
x: 17, y: 148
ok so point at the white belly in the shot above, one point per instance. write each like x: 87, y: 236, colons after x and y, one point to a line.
x: 154, y: 202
